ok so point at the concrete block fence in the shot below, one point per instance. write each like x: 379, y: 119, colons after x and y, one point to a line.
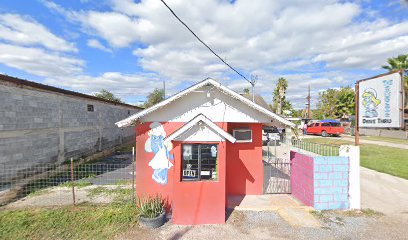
x: 320, y: 181
x: 40, y: 126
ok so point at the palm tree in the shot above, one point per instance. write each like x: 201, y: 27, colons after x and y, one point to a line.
x: 279, y: 95
x: 398, y: 63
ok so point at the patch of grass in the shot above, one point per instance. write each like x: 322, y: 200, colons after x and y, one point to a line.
x: 316, y: 213
x: 123, y: 182
x: 380, y: 158
x: 385, y: 159
x: 124, y: 149
x: 38, y: 192
x: 119, y: 194
x: 93, y: 192
x: 80, y: 222
x: 366, y: 212
x: 78, y: 184
x: 371, y: 213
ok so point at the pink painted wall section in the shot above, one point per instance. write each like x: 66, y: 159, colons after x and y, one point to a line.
x: 302, y: 179
x: 244, y: 162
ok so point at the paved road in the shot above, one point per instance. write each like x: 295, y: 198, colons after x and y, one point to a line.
x: 351, y: 139
x: 383, y: 192
x: 381, y: 143
x: 116, y: 168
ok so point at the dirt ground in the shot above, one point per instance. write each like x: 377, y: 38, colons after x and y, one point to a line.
x: 268, y: 225
x: 60, y: 196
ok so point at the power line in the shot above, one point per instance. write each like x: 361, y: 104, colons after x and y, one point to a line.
x: 195, y: 35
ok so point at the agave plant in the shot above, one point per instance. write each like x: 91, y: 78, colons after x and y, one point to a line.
x: 151, y: 206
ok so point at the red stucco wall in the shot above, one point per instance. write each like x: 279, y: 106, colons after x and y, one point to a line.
x: 240, y: 173
x: 201, y: 202
x: 244, y: 162
x: 144, y: 182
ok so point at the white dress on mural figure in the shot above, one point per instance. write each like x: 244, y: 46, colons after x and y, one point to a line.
x: 160, y: 162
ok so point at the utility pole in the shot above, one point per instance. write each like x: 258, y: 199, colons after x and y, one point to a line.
x: 254, y: 78
x: 164, y: 89
x: 308, y: 104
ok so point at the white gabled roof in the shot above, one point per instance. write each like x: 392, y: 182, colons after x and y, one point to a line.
x: 197, y: 119
x: 135, y: 117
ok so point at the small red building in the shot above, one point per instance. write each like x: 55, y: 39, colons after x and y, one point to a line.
x: 199, y: 147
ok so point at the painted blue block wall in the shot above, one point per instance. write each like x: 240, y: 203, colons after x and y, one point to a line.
x: 331, y: 176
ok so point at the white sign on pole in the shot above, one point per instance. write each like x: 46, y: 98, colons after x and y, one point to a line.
x: 380, y: 102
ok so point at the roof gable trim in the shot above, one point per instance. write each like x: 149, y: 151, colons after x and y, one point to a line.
x: 196, y: 120
x: 130, y: 120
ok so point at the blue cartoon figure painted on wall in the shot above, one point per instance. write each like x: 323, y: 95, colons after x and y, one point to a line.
x: 160, y: 162
x: 370, y: 103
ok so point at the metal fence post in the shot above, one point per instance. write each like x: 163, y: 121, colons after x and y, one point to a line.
x: 72, y: 180
x: 133, y: 174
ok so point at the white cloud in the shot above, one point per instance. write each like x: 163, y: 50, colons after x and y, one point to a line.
x: 120, y: 84
x: 25, y: 31
x: 321, y: 40
x: 94, y: 43
x: 277, y: 33
x: 39, y: 61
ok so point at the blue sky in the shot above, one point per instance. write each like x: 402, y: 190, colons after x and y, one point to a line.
x: 131, y: 47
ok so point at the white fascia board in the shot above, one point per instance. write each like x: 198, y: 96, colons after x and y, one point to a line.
x: 254, y: 105
x: 130, y: 120
x: 196, y: 120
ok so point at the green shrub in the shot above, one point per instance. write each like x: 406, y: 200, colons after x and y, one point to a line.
x: 151, y: 206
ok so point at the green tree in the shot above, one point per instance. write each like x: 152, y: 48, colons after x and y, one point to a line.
x: 279, y: 97
x: 246, y: 91
x: 105, y: 94
x: 297, y: 113
x: 335, y: 103
x: 397, y: 63
x: 154, y: 97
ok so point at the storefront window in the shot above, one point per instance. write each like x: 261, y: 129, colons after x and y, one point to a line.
x: 199, y: 162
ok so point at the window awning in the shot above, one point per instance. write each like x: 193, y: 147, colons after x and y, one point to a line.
x: 200, y: 119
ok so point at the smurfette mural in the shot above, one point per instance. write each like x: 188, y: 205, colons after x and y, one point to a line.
x: 160, y: 162
x: 370, y: 103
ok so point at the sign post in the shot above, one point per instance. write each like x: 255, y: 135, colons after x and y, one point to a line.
x: 356, y: 129
x: 379, y: 102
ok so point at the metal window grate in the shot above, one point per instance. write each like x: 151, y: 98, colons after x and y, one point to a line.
x: 90, y: 108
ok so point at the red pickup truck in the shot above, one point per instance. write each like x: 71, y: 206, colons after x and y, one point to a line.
x: 325, y: 128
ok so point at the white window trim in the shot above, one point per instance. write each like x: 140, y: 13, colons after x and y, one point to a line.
x: 242, y: 130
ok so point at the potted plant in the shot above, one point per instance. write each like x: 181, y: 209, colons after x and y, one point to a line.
x: 151, y: 211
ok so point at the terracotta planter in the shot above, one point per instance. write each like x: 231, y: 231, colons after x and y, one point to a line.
x: 153, y: 222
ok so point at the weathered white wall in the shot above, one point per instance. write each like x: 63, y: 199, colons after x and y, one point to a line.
x: 46, y: 127
x: 200, y: 134
x: 353, y: 153
x: 218, y: 108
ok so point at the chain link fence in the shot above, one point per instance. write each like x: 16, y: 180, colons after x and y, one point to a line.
x: 72, y: 183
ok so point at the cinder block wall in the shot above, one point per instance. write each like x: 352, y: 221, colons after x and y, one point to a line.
x: 39, y: 126
x: 302, y: 181
x: 331, y: 176
x: 320, y: 181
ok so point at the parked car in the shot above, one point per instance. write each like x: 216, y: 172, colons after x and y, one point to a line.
x: 271, y: 135
x: 325, y: 128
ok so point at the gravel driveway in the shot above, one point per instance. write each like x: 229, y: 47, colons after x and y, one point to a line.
x: 268, y: 225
